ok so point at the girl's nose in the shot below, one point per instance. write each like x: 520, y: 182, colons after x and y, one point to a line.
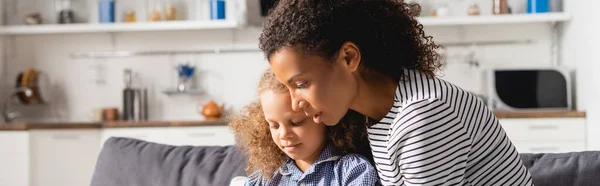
x: 285, y: 132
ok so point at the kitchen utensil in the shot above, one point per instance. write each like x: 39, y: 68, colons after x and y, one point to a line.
x: 135, y: 99
x: 211, y: 110
x: 36, y: 82
x: 110, y: 114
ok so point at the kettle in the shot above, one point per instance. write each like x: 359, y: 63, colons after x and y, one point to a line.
x: 212, y: 110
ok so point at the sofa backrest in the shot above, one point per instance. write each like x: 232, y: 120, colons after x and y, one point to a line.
x: 561, y: 169
x: 130, y: 162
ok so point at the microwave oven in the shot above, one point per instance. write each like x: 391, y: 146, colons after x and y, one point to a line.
x: 529, y: 89
x: 257, y: 10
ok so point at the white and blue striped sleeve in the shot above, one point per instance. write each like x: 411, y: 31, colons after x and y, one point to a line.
x: 430, y: 144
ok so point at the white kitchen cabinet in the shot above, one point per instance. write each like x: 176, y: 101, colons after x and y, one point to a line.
x: 201, y: 136
x: 196, y: 136
x: 63, y: 157
x: 546, y: 135
x: 549, y: 147
x: 14, y: 158
x: 153, y: 134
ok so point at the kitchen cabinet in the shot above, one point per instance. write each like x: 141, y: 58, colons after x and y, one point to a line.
x: 153, y: 134
x: 201, y: 136
x: 63, y: 157
x: 48, y: 157
x: 193, y: 135
x: 14, y: 158
x: 67, y: 157
x: 546, y: 135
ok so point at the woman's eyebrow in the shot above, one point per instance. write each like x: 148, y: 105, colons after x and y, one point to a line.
x: 293, y: 77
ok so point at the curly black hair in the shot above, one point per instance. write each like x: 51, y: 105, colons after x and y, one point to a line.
x: 388, y: 37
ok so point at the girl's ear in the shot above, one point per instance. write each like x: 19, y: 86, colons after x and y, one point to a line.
x: 350, y: 54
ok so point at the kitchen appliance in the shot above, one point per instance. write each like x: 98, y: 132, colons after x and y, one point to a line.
x: 529, y: 89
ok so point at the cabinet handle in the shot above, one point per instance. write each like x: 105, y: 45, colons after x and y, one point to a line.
x: 139, y: 136
x: 198, y: 135
x: 65, y: 137
x: 544, y: 149
x: 543, y: 127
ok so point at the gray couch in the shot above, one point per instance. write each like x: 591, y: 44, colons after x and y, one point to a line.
x: 130, y: 162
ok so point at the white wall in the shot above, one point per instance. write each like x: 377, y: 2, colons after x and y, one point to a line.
x: 580, y: 51
x: 228, y: 78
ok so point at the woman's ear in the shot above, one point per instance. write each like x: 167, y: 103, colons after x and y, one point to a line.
x: 350, y: 54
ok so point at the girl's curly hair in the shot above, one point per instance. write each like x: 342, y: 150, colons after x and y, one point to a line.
x: 253, y: 136
x: 389, y: 38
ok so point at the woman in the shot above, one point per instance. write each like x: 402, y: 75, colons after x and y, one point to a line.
x: 371, y: 56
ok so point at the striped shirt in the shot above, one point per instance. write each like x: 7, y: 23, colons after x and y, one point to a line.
x: 439, y: 134
x: 350, y: 169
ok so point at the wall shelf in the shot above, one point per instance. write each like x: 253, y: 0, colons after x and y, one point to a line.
x: 229, y: 24
x: 117, y: 27
x: 495, y: 19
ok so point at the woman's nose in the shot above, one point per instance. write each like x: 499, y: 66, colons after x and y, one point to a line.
x: 297, y: 103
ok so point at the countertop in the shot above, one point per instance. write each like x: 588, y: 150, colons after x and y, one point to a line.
x: 111, y: 124
x: 216, y: 122
x: 539, y: 114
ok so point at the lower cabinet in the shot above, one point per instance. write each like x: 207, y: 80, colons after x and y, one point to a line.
x: 68, y: 157
x: 546, y: 135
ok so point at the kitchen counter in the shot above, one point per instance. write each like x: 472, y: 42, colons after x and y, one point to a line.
x: 539, y: 114
x: 113, y: 124
x: 129, y: 124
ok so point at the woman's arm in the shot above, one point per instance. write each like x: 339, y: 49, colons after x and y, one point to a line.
x: 430, y: 145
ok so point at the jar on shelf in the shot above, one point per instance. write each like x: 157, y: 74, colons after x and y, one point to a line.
x: 170, y: 12
x: 499, y: 7
x: 155, y: 11
x: 129, y: 16
x: 66, y: 14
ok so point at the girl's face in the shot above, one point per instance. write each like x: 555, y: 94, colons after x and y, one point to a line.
x: 293, y: 132
x: 323, y: 90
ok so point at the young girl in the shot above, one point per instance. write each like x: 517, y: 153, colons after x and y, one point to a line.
x: 373, y: 57
x: 288, y: 148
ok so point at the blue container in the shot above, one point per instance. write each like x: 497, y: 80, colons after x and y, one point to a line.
x: 106, y: 11
x: 538, y: 6
x: 217, y: 9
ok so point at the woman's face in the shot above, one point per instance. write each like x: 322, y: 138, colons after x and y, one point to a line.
x: 293, y: 132
x: 323, y: 90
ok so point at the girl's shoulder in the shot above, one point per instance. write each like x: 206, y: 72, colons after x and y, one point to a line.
x: 352, y: 160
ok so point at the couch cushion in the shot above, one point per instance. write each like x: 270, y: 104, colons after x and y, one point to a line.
x: 130, y: 162
x: 574, y: 169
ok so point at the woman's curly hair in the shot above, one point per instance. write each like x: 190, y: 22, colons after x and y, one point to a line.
x: 388, y: 37
x: 253, y: 136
